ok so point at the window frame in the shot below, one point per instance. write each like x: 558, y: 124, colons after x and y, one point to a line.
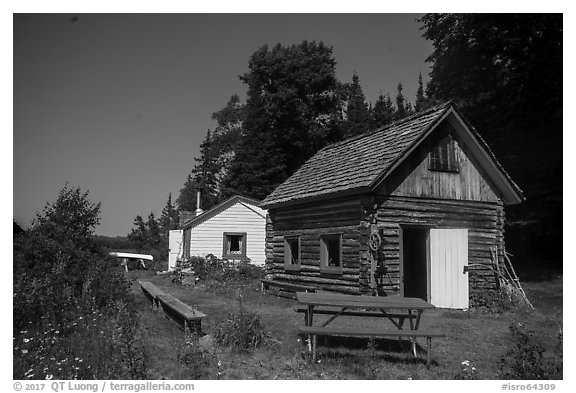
x: 324, y: 267
x: 288, y: 265
x: 225, y: 253
x: 451, y: 163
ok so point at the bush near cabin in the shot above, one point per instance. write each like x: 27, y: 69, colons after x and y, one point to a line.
x: 73, y: 311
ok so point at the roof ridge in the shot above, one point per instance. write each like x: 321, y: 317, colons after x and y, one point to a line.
x: 388, y: 126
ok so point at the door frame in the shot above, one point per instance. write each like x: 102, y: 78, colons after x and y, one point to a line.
x: 401, y: 228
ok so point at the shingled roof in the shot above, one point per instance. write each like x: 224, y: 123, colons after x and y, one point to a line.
x: 360, y: 163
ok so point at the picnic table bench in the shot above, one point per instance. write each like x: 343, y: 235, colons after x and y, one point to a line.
x: 286, y: 289
x: 152, y: 292
x: 314, y: 331
x: 187, y: 317
x: 395, y: 309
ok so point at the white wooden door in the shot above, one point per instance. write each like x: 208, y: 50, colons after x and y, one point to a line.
x: 448, y: 268
x: 175, y: 247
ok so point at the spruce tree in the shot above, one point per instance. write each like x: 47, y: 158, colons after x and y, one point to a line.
x: 421, y: 102
x: 291, y: 109
x: 139, y: 235
x: 187, y: 197
x: 357, y: 114
x: 169, y: 218
x: 383, y: 112
x: 154, y: 239
x: 400, y: 104
x: 206, y: 172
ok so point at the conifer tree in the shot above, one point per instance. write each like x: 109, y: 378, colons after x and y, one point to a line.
x: 291, y: 109
x: 383, y: 112
x: 139, y: 235
x: 169, y: 218
x: 357, y: 114
x: 205, y: 172
x: 400, y: 104
x: 187, y: 198
x: 421, y: 102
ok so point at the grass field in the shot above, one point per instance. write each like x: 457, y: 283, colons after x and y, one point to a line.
x: 475, y: 343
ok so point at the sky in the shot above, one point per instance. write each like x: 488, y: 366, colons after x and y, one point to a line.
x: 119, y: 104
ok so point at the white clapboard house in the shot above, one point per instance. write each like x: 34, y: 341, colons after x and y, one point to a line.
x: 235, y: 229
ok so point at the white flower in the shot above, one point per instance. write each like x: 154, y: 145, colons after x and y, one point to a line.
x: 26, y: 340
x: 24, y: 351
x: 49, y: 376
x: 466, y: 363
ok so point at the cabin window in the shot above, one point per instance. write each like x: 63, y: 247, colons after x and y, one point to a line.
x: 292, y: 253
x: 234, y: 245
x: 331, y: 252
x: 443, y: 156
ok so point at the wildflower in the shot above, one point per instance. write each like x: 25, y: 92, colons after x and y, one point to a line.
x: 219, y: 363
x: 24, y: 351
x: 49, y: 376
x: 23, y: 331
x: 26, y: 340
x: 466, y: 363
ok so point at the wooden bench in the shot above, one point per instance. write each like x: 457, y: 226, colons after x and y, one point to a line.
x: 286, y: 289
x: 152, y: 292
x: 314, y: 331
x: 353, y: 313
x: 187, y: 318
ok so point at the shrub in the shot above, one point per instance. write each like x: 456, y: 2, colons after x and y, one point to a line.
x: 243, y: 331
x: 73, y: 311
x: 491, y: 302
x: 199, y: 363
x: 525, y: 359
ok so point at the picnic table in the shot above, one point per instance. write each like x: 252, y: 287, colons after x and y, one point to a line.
x: 393, y: 308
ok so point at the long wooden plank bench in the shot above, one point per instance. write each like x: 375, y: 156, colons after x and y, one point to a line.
x: 353, y: 313
x: 315, y: 331
x: 152, y: 292
x: 187, y: 317
x: 286, y: 289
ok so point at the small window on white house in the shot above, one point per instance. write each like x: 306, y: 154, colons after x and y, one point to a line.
x: 443, y: 156
x: 234, y: 245
x: 331, y: 252
x: 292, y: 253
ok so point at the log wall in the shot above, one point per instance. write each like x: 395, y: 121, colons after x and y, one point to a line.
x: 351, y: 218
x: 310, y: 222
x: 484, y: 222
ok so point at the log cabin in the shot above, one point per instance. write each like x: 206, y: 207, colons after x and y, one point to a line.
x: 414, y: 209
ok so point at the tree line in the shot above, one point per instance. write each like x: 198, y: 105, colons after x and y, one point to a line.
x: 503, y: 71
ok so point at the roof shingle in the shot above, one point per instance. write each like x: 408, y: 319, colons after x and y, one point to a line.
x: 354, y: 163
